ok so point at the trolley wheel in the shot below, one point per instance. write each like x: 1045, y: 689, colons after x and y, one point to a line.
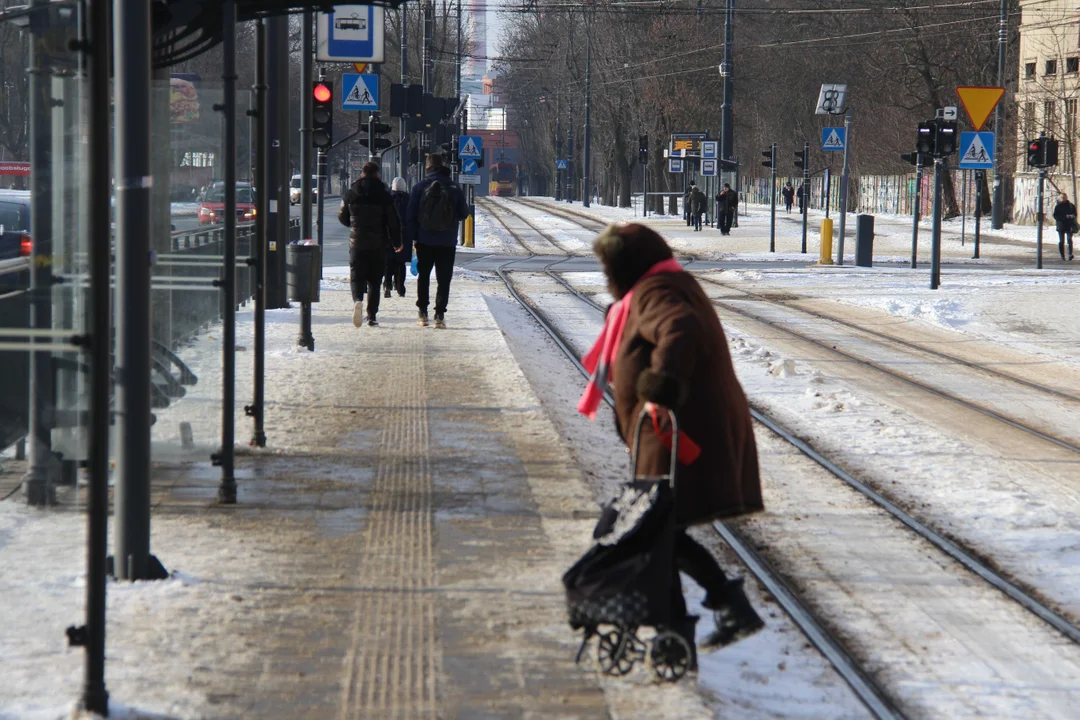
x: 669, y: 656
x: 617, y: 651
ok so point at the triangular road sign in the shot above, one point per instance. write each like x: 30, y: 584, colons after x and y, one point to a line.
x: 833, y: 141
x: 979, y: 102
x: 469, y: 148
x: 360, y: 94
x: 976, y: 152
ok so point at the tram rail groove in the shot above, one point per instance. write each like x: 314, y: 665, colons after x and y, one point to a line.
x: 966, y: 559
x: 488, y: 204
x: 865, y: 688
x: 790, y: 303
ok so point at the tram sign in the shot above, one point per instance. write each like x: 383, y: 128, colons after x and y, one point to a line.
x: 675, y: 165
x: 351, y: 33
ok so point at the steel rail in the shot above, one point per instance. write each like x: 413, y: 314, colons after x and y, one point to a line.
x: 899, y: 341
x: 488, y: 202
x: 864, y: 687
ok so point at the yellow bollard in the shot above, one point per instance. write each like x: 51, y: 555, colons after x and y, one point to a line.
x: 470, y: 237
x: 826, y: 242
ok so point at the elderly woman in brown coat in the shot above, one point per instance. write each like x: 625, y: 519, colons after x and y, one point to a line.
x: 663, y: 349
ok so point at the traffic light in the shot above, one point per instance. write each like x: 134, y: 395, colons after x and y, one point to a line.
x: 1042, y: 152
x: 915, y: 158
x: 801, y: 159
x: 945, y: 143
x: 643, y: 149
x: 1051, y: 152
x: 768, y: 154
x: 373, y: 142
x: 924, y: 140
x: 322, y: 114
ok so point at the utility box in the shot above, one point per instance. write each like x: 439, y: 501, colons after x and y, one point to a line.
x: 864, y: 240
x: 303, y: 268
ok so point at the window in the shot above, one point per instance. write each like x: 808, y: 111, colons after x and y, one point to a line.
x: 9, y: 217
x: 1029, y: 71
x: 1051, y: 67
x: 1029, y: 119
x: 1072, y: 65
x: 1049, y: 116
x: 1070, y: 117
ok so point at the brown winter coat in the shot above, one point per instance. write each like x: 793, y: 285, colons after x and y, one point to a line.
x: 673, y: 330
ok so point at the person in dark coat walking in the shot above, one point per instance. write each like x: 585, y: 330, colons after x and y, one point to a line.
x: 436, y: 206
x: 398, y: 259
x: 804, y: 196
x: 1065, y: 219
x: 666, y: 352
x: 368, y: 211
x: 727, y: 200
x: 698, y: 206
x: 688, y: 213
x: 789, y: 195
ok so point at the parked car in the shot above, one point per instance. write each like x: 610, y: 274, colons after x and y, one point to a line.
x: 212, y: 208
x: 14, y: 224
x: 294, y: 189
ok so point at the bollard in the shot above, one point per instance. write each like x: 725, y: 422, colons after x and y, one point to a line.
x: 470, y: 228
x: 826, y: 242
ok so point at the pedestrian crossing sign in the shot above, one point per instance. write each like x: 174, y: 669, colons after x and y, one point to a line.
x: 359, y: 92
x: 470, y: 146
x: 977, y: 150
x: 560, y: 164
x: 833, y: 138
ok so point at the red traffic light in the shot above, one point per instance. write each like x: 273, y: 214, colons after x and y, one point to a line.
x: 322, y: 93
x: 1035, y: 146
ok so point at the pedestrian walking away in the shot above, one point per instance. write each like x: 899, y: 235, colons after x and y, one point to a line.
x: 686, y: 209
x: 1065, y: 219
x: 727, y: 200
x: 653, y: 351
x: 804, y: 196
x: 398, y: 259
x: 789, y: 195
x: 436, y: 206
x: 698, y: 203
x: 367, y: 209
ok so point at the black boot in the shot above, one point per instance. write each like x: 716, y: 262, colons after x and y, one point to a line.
x: 735, y: 617
x: 686, y: 629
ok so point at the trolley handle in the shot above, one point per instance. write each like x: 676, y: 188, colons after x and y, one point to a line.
x: 637, y: 443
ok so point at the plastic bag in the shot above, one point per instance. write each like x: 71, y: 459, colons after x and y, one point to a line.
x: 414, y: 268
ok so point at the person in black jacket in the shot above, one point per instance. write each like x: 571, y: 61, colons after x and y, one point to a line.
x: 367, y: 209
x: 727, y: 201
x: 1065, y: 219
x: 789, y: 195
x: 397, y: 259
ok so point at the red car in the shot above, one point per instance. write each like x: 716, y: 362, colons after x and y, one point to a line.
x: 212, y: 209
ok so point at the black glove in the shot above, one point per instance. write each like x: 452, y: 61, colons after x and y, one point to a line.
x: 661, y: 388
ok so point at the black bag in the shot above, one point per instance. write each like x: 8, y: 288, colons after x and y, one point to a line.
x: 437, y: 208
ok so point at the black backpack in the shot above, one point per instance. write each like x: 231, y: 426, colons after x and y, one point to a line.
x: 437, y: 208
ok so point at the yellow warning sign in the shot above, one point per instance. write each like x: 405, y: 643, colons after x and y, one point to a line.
x: 979, y: 102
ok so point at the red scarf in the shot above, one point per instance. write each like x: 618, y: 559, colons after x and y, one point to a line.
x: 600, y: 361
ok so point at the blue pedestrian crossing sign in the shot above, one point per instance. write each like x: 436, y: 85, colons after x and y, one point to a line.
x: 560, y: 164
x: 675, y: 165
x: 470, y: 146
x: 833, y: 138
x: 469, y: 167
x: 359, y: 92
x: 977, y: 150
x: 708, y: 168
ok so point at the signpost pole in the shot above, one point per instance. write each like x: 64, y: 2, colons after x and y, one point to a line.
x: 844, y: 176
x: 305, y: 338
x: 935, y: 246
x: 1039, y: 219
x: 980, y: 177
x: 915, y: 211
x: 806, y: 184
x: 963, y: 207
x: 997, y: 218
x: 828, y: 190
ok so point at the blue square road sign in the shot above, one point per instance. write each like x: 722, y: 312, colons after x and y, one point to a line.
x: 471, y: 147
x: 833, y: 138
x: 977, y: 150
x: 469, y: 167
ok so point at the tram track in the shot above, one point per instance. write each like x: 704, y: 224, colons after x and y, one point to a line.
x: 498, y: 211
x: 858, y: 679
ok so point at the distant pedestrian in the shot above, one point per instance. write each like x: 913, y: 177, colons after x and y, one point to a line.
x: 367, y: 209
x: 688, y: 216
x: 398, y: 258
x: 804, y: 197
x: 651, y: 351
x: 436, y: 206
x: 789, y: 195
x: 698, y: 206
x: 1065, y: 217
x: 727, y: 201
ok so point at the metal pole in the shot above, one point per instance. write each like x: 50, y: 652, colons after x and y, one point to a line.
x: 95, y: 698
x: 844, y: 176
x: 1039, y: 216
x: 262, y: 231
x: 321, y: 174
x: 806, y: 184
x: 570, y: 185
x: 963, y: 207
x: 587, y: 190
x: 727, y: 119
x: 227, y: 487
x: 305, y: 339
x: 997, y: 217
x: 935, y: 246
x: 558, y: 148
x: 828, y: 190
x: 403, y: 151
x: 915, y: 212
x: 459, y: 49
x: 645, y: 185
x: 39, y: 482
x: 772, y: 199
x: 131, y: 548
x: 280, y: 136
x: 980, y: 178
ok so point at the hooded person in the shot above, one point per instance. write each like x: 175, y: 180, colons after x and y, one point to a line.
x: 367, y: 209
x: 663, y: 350
x: 398, y: 259
x: 436, y: 206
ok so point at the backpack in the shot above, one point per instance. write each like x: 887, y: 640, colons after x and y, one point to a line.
x: 437, y: 208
